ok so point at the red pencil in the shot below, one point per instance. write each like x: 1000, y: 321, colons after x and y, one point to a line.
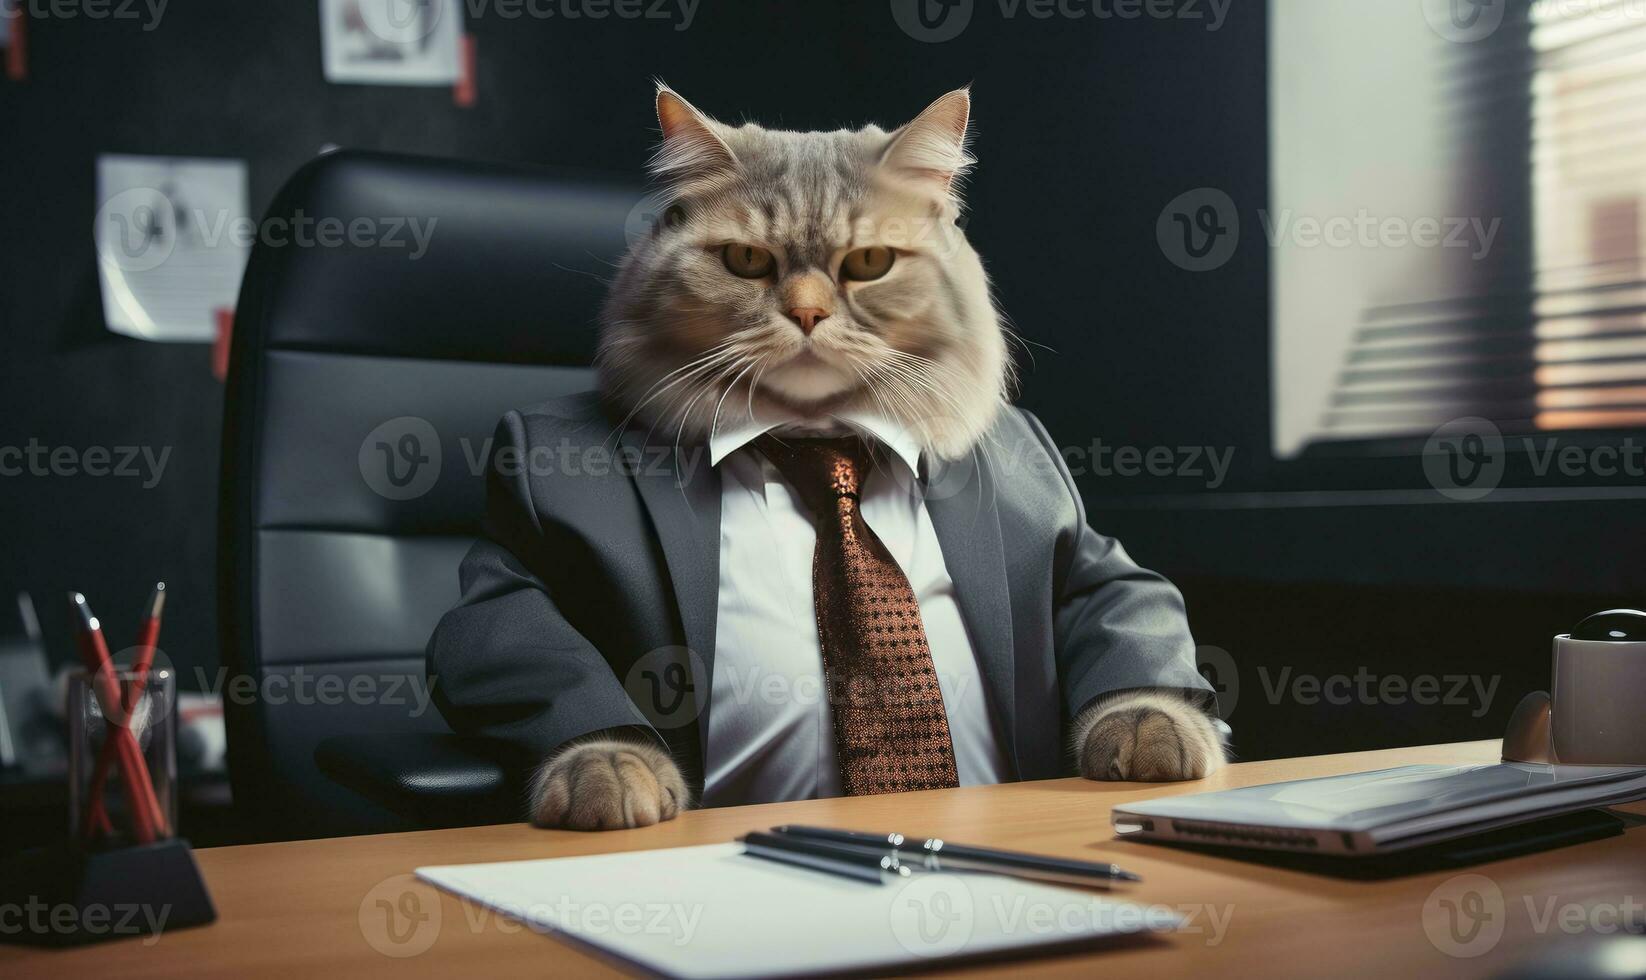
x: 94, y: 817
x: 134, y: 772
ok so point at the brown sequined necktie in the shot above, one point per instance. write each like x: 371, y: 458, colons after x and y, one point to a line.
x: 890, y: 729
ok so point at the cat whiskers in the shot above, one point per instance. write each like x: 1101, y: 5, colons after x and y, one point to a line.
x: 714, y: 421
x: 706, y: 361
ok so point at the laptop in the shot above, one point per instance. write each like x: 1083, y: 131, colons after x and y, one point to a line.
x: 1379, y: 812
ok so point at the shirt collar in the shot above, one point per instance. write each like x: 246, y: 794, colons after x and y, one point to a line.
x: 734, y: 434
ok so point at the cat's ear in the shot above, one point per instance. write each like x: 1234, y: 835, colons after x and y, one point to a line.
x: 691, y: 149
x: 933, y: 146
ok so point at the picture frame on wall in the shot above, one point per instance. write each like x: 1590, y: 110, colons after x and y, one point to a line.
x: 392, y: 42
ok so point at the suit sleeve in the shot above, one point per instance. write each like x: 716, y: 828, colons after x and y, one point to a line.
x: 1117, y: 626
x: 505, y: 662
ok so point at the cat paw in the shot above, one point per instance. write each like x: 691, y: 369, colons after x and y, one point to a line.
x: 607, y: 784
x: 1147, y: 737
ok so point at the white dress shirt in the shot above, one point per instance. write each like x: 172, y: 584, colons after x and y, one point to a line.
x: 771, y: 732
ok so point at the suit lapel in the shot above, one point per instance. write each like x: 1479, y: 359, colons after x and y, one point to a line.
x: 960, y: 500
x: 682, y: 493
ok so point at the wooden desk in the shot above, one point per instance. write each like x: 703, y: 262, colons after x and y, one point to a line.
x: 309, y: 908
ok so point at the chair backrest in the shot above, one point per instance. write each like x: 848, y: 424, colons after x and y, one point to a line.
x: 393, y: 309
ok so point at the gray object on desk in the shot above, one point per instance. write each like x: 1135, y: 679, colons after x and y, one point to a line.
x: 28, y: 736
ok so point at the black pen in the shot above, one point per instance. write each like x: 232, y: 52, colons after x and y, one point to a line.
x: 935, y: 854
x: 846, y: 860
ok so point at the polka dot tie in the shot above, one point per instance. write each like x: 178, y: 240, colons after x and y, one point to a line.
x: 890, y: 728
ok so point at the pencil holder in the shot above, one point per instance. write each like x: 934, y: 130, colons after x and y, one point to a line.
x: 123, y: 871
x: 123, y: 757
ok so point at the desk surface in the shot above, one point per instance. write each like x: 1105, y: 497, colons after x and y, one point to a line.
x: 313, y: 907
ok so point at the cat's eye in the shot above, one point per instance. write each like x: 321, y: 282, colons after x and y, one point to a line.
x: 748, y: 261
x: 865, y: 264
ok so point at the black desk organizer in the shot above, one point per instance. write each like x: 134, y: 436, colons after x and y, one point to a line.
x: 113, y: 894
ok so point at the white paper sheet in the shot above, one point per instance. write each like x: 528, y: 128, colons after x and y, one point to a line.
x: 172, y: 235
x: 712, y: 911
x: 392, y: 42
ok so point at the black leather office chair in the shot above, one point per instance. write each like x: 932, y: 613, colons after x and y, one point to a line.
x: 365, y: 381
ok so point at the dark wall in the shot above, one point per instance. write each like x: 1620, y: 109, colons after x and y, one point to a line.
x: 1085, y: 129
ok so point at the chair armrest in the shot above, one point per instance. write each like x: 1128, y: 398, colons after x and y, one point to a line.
x: 436, y: 780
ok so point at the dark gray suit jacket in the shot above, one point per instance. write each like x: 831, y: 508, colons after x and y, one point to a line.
x: 590, y: 602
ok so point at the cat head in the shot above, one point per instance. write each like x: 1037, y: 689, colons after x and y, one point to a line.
x: 815, y: 273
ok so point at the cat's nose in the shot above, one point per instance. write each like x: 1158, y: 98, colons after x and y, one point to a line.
x: 808, y: 317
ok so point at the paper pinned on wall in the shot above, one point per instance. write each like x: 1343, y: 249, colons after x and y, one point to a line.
x: 173, y: 235
x: 392, y: 42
